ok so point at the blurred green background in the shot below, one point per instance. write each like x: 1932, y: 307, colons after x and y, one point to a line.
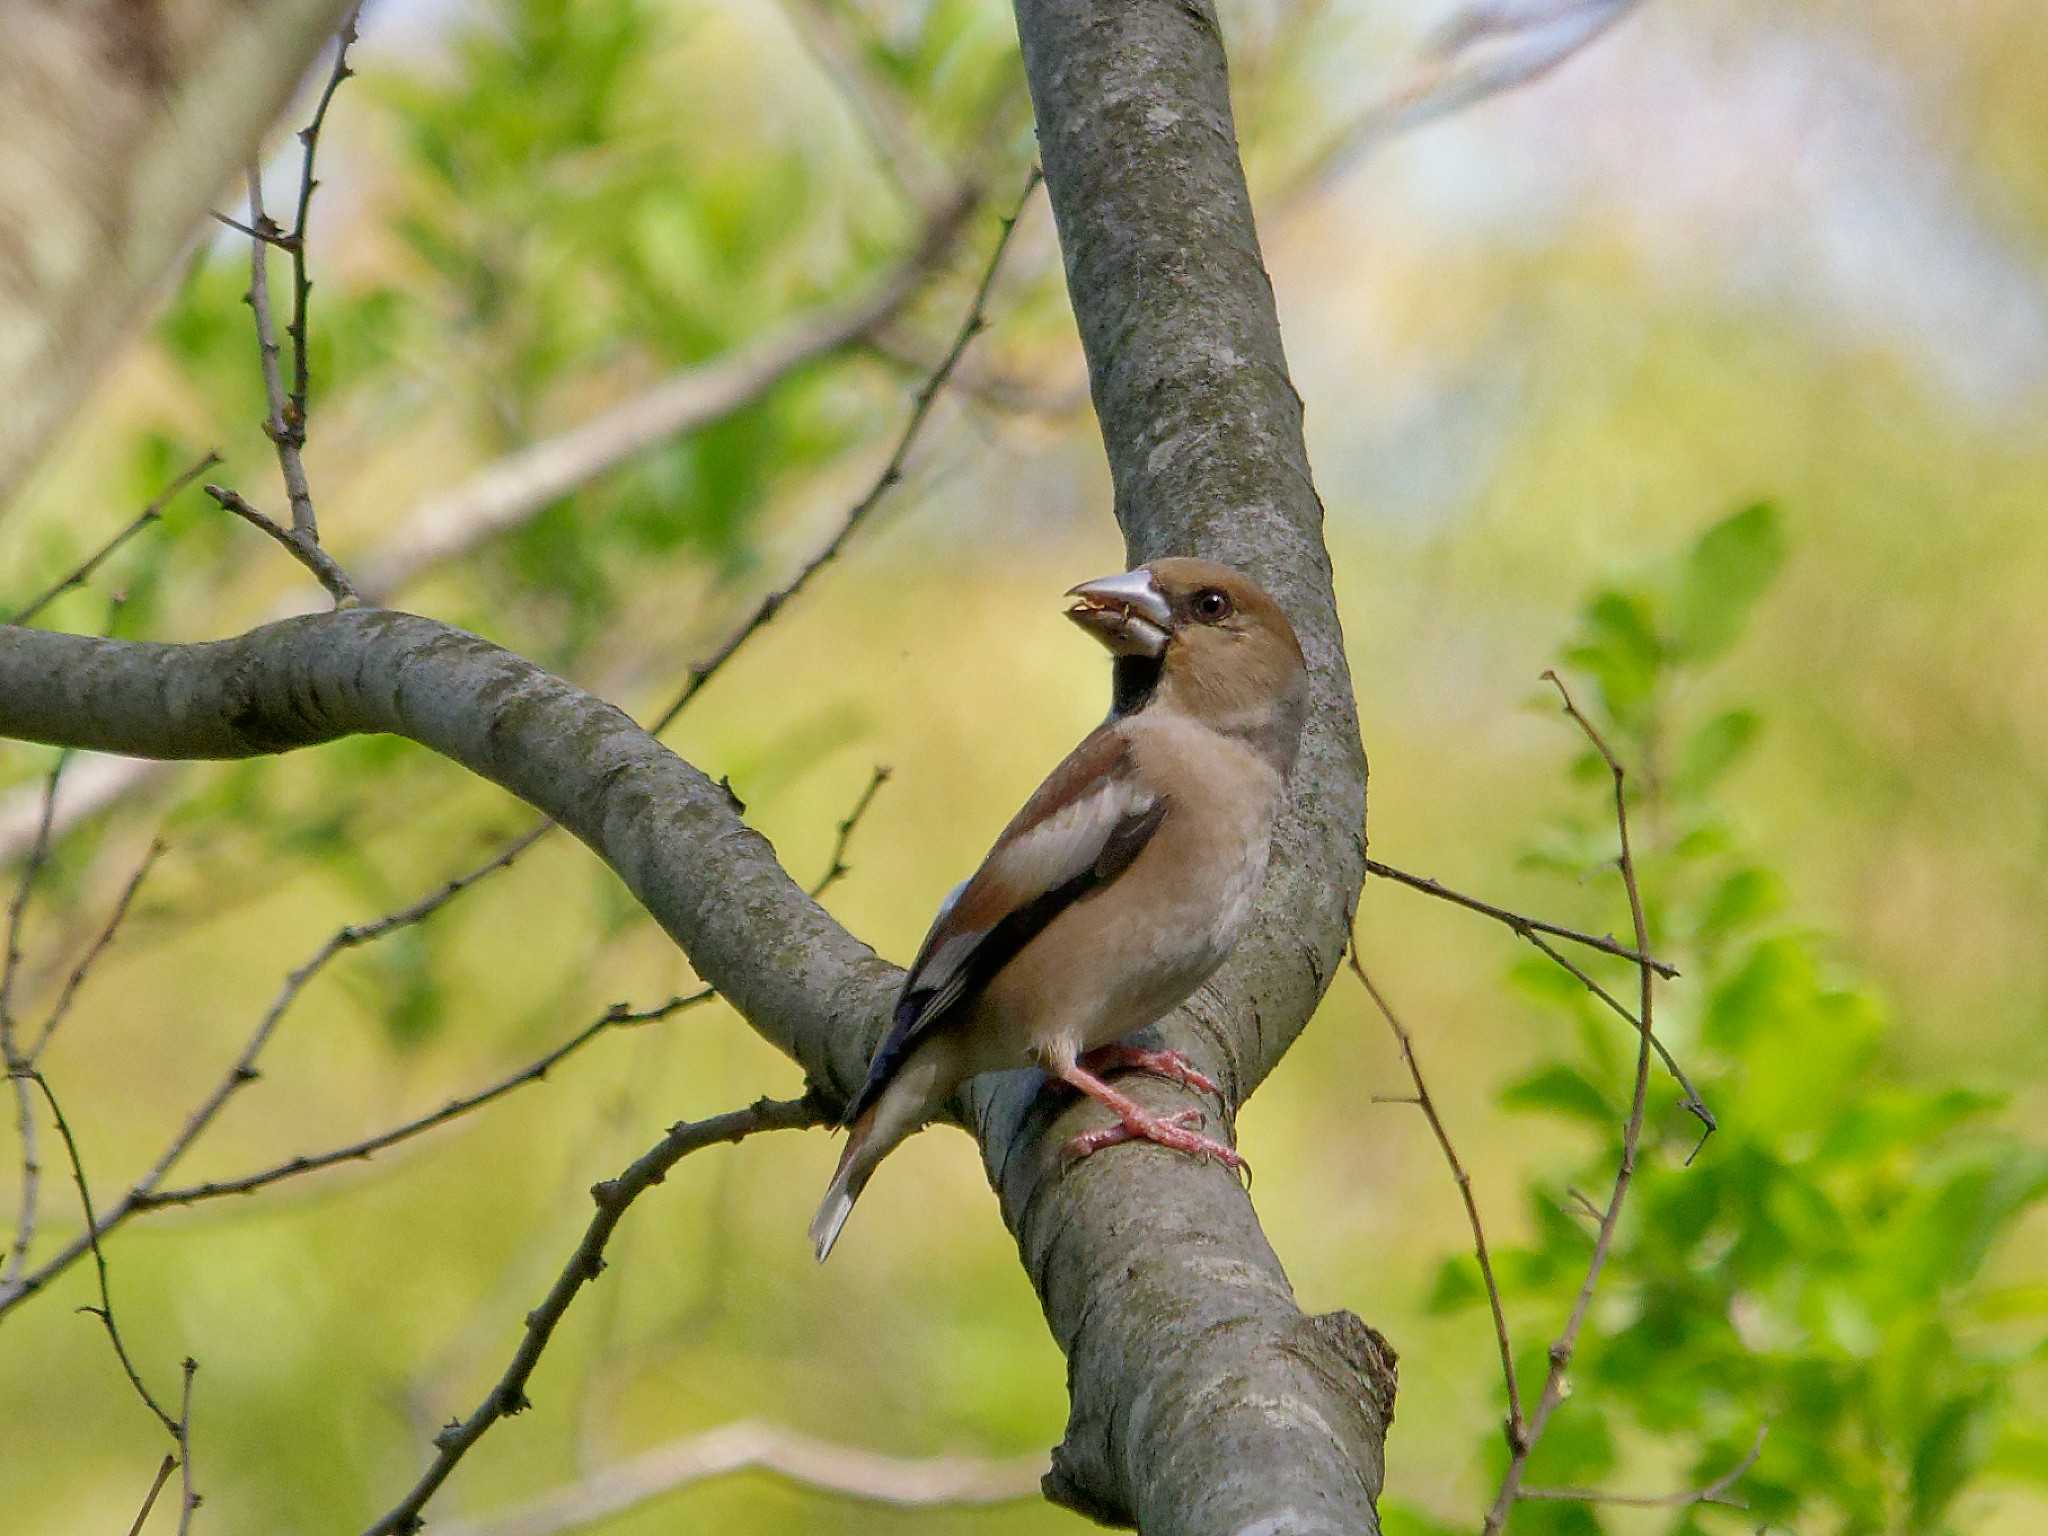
x: 1712, y: 368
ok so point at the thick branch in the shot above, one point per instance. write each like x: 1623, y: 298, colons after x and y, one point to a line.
x: 670, y: 833
x: 1187, y: 1353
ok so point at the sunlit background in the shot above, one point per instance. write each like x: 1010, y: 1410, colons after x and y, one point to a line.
x: 1791, y: 257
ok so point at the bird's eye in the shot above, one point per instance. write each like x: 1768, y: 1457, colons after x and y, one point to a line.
x: 1212, y: 606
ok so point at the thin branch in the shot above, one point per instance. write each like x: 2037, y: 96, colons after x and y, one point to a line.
x: 163, y: 1475
x: 72, y: 983
x: 1691, y: 1103
x: 615, y: 1017
x: 892, y: 471
x: 816, y: 1466
x: 1533, y: 929
x: 12, y: 1057
x: 1516, y: 1426
x: 305, y: 550
x: 190, y: 1500
x: 302, y: 285
x: 618, y: 1016
x: 105, y: 1310
x: 508, y: 493
x: 1520, y: 924
x: 1483, y: 51
x: 612, y: 1197
x: 1631, y: 1138
x: 1715, y: 1492
x: 284, y: 434
x: 243, y: 1071
x: 838, y: 865
x: 82, y: 573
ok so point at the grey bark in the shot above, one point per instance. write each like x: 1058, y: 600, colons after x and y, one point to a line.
x: 1203, y: 1399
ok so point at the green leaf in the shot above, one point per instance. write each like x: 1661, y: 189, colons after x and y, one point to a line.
x: 1715, y: 748
x: 1731, y: 566
x: 1954, y: 1445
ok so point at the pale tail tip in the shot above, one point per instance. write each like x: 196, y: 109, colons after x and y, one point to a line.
x: 830, y: 1218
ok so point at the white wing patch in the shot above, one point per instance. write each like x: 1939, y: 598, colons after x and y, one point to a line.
x: 1060, y: 848
x: 1066, y: 843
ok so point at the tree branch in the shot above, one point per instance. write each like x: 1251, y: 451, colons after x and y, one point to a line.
x: 516, y: 488
x: 125, y: 123
x: 304, y: 548
x: 1422, y: 1100
x: 1715, y: 1492
x: 82, y: 572
x: 1185, y: 1346
x: 818, y: 1466
x: 1631, y: 1139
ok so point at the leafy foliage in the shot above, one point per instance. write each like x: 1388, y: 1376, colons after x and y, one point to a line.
x: 1820, y: 1266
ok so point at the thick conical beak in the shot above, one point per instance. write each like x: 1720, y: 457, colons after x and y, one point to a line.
x: 1127, y: 613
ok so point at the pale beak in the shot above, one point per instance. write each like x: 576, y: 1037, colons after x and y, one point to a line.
x: 1127, y: 613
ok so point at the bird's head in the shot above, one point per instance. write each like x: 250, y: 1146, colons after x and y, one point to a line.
x: 1204, y: 639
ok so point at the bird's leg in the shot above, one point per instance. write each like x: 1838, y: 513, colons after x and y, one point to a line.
x: 1137, y: 1123
x: 1168, y: 1064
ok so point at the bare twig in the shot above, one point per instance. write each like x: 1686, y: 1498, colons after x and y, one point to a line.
x: 612, y: 1196
x: 838, y: 865
x: 80, y: 574
x: 244, y: 1072
x: 190, y: 1500
x: 1715, y: 1492
x: 146, y: 1196
x: 506, y: 494
x: 12, y: 1057
x: 1520, y: 924
x: 68, y: 994
x: 302, y: 285
x: 285, y: 435
x: 1691, y: 1103
x: 1516, y: 1427
x: 817, y: 1466
x: 1488, y: 48
x: 1631, y: 1138
x: 509, y: 492
x: 105, y: 1310
x: 163, y: 1475
x: 306, y: 551
x: 617, y: 1016
x: 1533, y: 929
x: 892, y: 471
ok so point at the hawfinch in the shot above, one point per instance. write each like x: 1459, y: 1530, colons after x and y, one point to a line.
x: 1121, y: 885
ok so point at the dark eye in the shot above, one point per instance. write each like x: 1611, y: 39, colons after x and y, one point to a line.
x: 1212, y: 606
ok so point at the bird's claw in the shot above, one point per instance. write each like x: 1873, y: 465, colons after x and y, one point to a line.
x: 1176, y: 1131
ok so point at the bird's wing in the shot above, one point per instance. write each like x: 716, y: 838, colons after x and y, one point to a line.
x: 1079, y: 831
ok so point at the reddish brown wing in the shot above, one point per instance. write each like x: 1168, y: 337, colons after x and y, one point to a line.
x: 1079, y: 831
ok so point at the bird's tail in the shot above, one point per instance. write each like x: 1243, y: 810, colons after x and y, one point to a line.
x: 856, y: 1163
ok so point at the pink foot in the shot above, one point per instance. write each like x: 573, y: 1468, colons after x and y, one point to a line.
x: 1090, y: 1142
x: 1137, y: 1123
x: 1173, y: 1131
x: 1167, y: 1064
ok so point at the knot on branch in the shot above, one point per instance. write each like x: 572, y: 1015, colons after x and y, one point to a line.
x: 1363, y: 1352
x: 1067, y: 1486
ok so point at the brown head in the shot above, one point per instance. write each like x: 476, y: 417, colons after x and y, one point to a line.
x: 1203, y: 639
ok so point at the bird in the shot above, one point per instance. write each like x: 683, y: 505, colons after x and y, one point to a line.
x: 1120, y: 887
